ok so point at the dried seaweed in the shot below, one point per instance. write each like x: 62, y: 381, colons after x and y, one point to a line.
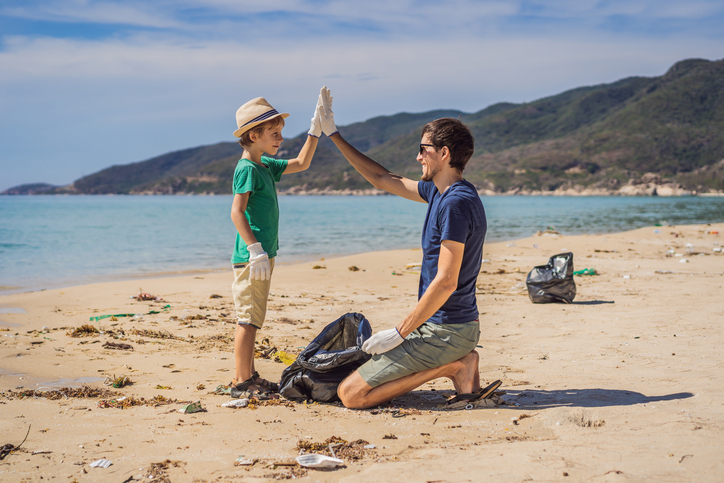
x: 118, y: 382
x: 130, y: 401
x: 63, y: 392
x: 85, y: 330
x: 118, y: 346
x: 337, y: 448
x: 158, y: 471
x: 255, y: 403
x: 155, y: 334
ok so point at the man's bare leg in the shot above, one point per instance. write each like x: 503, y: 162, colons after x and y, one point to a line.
x: 356, y: 393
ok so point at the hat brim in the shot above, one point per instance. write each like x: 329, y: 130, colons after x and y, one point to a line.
x: 252, y: 125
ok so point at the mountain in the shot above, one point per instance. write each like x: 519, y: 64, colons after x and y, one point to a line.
x: 639, y: 135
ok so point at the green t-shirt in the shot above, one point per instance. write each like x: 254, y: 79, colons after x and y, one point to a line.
x: 262, y: 210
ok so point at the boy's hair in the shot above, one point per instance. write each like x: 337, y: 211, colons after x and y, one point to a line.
x: 245, y: 139
x: 452, y: 133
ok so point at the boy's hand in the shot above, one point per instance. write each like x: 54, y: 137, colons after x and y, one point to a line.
x: 259, y: 266
x: 316, y: 128
x: 328, y: 125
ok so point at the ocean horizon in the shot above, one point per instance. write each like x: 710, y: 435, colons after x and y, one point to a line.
x: 56, y: 241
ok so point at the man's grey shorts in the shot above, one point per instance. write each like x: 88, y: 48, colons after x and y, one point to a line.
x: 428, y: 347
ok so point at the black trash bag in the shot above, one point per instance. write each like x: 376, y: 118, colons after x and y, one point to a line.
x: 552, y: 282
x: 333, y: 355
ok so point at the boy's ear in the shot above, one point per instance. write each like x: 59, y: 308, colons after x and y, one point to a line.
x: 253, y: 136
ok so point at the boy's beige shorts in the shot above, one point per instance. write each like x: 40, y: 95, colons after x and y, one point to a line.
x: 250, y: 296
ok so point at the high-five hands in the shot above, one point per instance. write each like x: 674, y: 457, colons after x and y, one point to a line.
x: 328, y: 125
x: 382, y: 341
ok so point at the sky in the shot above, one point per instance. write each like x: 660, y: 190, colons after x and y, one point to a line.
x: 86, y: 84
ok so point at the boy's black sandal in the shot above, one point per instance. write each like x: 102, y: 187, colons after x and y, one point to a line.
x: 263, y: 383
x: 250, y: 389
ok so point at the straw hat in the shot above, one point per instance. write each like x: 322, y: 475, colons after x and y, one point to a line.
x: 253, y: 113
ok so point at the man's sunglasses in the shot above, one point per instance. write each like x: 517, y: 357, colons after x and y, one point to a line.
x: 422, y: 147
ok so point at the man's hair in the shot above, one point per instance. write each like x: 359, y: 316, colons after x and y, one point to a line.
x: 452, y: 133
x: 245, y: 140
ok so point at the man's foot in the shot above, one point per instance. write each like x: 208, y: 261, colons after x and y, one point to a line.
x: 467, y: 379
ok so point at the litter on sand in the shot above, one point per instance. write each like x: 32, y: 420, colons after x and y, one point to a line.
x: 192, y: 408
x: 101, y: 464
x: 586, y: 271
x: 319, y: 461
x: 241, y: 461
x: 236, y: 403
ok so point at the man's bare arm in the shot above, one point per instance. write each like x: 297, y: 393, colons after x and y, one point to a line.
x: 440, y: 289
x: 377, y: 174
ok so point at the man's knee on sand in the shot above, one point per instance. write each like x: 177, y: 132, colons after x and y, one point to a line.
x: 353, y: 391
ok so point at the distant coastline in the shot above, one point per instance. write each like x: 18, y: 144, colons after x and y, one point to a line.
x: 634, y: 188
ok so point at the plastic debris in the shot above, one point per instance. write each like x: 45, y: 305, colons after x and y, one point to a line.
x: 319, y: 461
x: 684, y: 260
x: 236, y: 403
x: 192, y: 408
x: 101, y: 464
x: 241, y: 461
x: 369, y: 446
x: 586, y: 271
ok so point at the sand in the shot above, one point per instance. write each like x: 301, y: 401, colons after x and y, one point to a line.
x: 625, y: 384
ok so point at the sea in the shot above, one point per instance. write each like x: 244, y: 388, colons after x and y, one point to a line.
x: 57, y: 241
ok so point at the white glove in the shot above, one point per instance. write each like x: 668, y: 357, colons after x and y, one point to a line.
x: 316, y: 128
x: 259, y: 266
x: 328, y: 125
x: 382, y: 341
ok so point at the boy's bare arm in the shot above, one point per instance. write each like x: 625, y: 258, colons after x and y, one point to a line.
x: 302, y: 162
x: 238, y: 207
x: 377, y: 174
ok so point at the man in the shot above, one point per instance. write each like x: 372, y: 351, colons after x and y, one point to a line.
x: 438, y: 338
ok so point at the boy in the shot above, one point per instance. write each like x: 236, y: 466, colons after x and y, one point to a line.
x: 255, y: 213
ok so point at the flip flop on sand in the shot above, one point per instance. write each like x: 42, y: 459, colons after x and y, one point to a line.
x: 483, y: 393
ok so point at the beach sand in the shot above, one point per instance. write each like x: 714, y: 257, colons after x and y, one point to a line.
x: 625, y: 384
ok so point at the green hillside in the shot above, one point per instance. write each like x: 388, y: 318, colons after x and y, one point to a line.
x: 602, y: 137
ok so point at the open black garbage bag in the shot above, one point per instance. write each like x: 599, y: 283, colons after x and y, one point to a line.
x: 552, y: 282
x: 333, y: 355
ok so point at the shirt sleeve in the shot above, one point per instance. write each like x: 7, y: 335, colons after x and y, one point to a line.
x: 276, y: 167
x: 425, y: 190
x: 244, y: 180
x: 454, y: 219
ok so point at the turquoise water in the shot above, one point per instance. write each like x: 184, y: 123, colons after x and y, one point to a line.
x: 55, y: 241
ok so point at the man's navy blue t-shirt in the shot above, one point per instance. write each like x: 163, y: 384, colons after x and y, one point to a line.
x: 457, y: 215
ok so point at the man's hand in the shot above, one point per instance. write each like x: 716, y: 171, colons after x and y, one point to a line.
x: 382, y: 341
x: 328, y: 125
x: 259, y: 266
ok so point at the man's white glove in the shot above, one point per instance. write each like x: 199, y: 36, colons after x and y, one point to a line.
x: 382, y: 341
x: 316, y: 128
x: 259, y: 266
x: 328, y: 125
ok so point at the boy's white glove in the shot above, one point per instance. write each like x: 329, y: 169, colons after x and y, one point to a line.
x: 382, y: 341
x: 259, y: 266
x: 316, y: 128
x: 328, y: 125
